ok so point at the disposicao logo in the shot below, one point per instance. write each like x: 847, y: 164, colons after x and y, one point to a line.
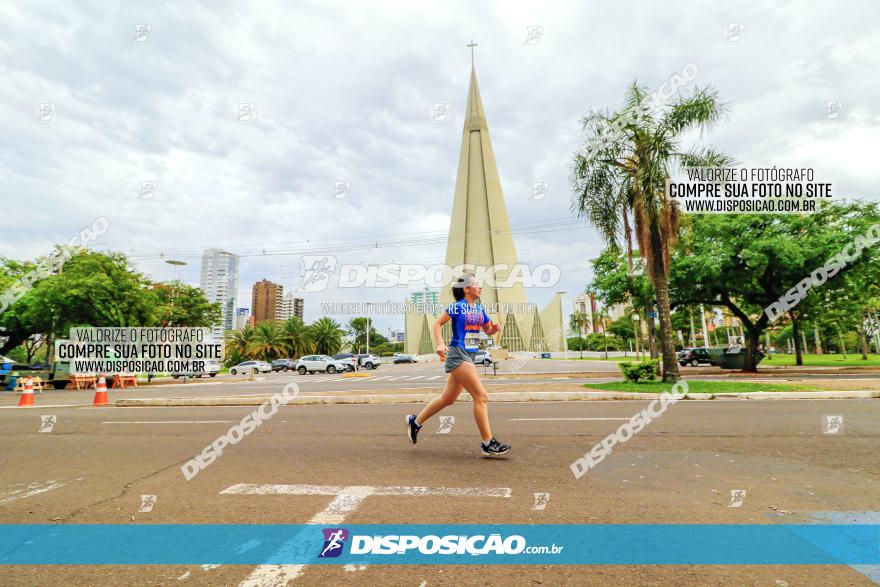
x: 334, y: 541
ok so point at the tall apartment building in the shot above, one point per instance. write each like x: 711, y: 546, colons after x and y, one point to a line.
x: 584, y: 304
x: 266, y: 300
x: 242, y: 316
x: 426, y: 296
x: 219, y: 281
x: 290, y: 306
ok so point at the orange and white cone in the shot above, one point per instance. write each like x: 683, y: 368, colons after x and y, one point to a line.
x: 101, y: 393
x: 27, y: 396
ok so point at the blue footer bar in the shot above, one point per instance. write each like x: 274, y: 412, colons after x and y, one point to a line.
x: 630, y: 544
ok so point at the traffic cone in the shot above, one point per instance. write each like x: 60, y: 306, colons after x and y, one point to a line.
x: 27, y: 396
x: 101, y: 393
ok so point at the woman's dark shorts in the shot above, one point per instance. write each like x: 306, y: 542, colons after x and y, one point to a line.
x: 455, y: 356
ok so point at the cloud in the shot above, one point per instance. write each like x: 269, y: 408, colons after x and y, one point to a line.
x: 343, y: 92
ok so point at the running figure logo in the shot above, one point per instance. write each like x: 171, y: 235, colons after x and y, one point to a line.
x: 318, y: 269
x: 737, y: 497
x: 334, y: 540
x: 541, y: 500
x: 446, y: 423
x: 47, y: 423
x: 147, y: 503
x: 833, y: 424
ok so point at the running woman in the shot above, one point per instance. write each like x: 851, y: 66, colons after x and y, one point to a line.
x: 468, y: 318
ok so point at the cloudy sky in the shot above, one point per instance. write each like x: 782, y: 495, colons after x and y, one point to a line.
x: 344, y: 91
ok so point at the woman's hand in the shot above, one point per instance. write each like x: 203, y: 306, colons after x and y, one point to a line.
x: 493, y: 328
x: 441, y: 350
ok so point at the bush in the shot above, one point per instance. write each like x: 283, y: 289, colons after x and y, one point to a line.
x: 641, y: 371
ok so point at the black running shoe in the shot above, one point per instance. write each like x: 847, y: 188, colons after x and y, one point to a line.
x: 494, y: 448
x: 412, y: 429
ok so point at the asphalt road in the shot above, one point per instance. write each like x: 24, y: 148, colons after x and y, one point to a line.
x: 423, y: 377
x: 96, y: 463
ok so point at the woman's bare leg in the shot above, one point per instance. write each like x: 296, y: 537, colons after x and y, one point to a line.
x: 447, y: 398
x: 466, y: 375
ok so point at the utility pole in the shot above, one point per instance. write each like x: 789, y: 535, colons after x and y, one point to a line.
x: 368, y: 328
x: 177, y: 264
x: 636, y: 333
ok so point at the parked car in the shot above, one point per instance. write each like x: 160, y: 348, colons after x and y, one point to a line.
x: 695, y: 357
x: 283, y: 365
x: 351, y: 362
x: 211, y: 369
x: 312, y: 363
x: 251, y: 367
x: 401, y: 358
x: 368, y: 361
x: 482, y: 357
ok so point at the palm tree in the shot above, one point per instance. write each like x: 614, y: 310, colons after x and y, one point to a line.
x: 576, y: 322
x: 238, y: 343
x: 327, y: 336
x: 296, y: 337
x: 602, y: 314
x: 622, y: 172
x: 267, y: 343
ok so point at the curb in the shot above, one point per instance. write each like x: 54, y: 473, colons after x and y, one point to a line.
x: 499, y: 396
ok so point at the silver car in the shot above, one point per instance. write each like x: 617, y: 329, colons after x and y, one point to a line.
x: 251, y: 367
x: 313, y: 363
x: 211, y: 369
x: 482, y: 357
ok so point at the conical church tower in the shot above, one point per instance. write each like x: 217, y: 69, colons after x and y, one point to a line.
x: 479, y: 235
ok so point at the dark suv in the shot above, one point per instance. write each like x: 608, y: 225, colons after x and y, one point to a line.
x: 694, y: 357
x: 283, y: 365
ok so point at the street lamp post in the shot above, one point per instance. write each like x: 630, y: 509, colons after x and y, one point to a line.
x: 177, y: 264
x: 562, y: 324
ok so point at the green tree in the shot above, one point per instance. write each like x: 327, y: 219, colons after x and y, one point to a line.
x: 327, y: 335
x: 296, y: 337
x: 238, y: 345
x: 747, y: 262
x: 577, y: 322
x: 357, y: 327
x: 179, y: 304
x: 623, y: 169
x: 268, y: 342
x: 90, y: 289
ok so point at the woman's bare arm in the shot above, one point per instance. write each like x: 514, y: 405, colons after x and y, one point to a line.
x: 438, y: 334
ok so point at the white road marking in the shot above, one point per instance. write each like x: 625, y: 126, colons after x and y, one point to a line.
x: 381, y: 378
x: 346, y: 501
x: 173, y: 422
x: 42, y: 406
x: 189, y: 384
x: 435, y: 377
x: 271, y: 489
x: 560, y: 419
x: 414, y: 377
x: 33, y: 489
